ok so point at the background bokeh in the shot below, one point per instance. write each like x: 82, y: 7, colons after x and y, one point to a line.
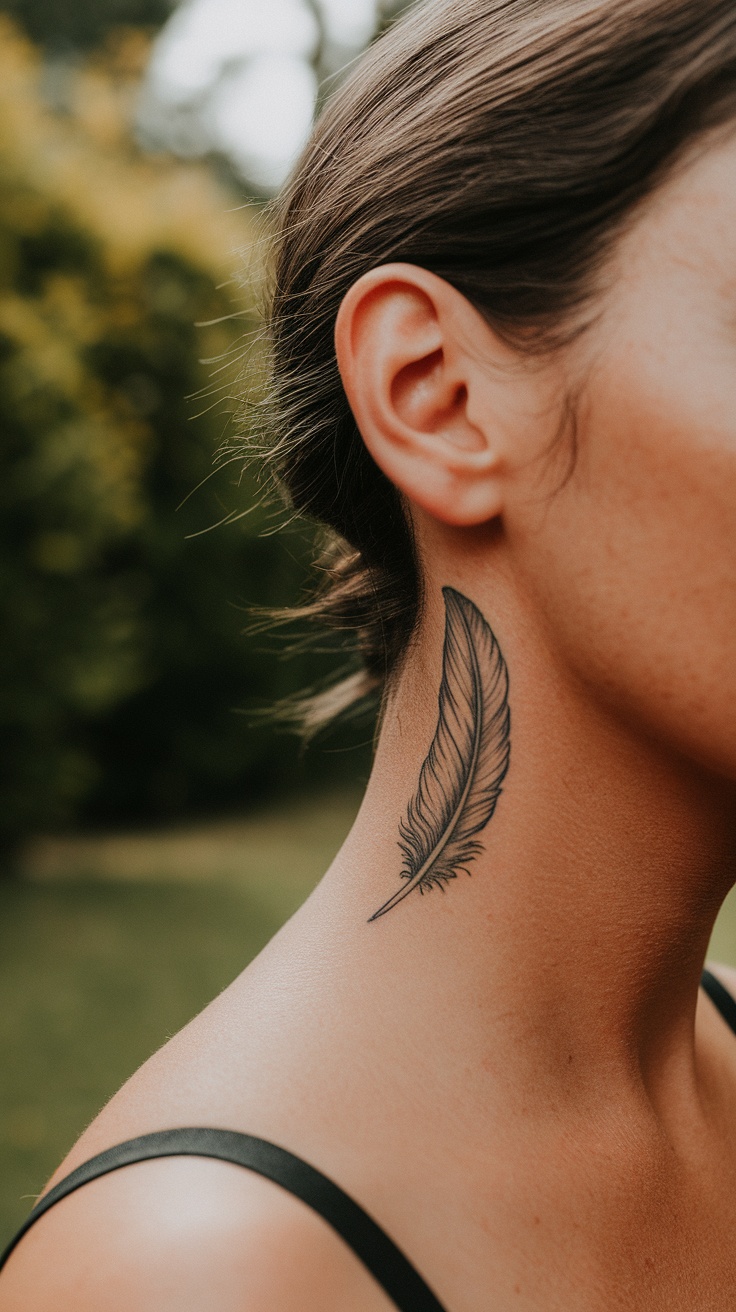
x: 131, y: 235
x: 154, y: 829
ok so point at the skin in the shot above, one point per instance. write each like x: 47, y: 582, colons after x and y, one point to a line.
x: 519, y: 1079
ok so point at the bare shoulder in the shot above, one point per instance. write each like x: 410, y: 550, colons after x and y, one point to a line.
x: 184, y: 1232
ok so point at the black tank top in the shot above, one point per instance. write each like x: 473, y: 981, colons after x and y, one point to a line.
x: 386, y: 1263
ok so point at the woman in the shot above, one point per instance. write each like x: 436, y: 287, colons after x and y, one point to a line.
x: 517, y: 226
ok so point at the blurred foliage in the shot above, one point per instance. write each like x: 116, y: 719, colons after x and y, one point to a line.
x: 63, y: 25
x: 123, y: 655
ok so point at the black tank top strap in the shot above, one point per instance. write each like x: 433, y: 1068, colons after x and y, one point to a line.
x: 369, y: 1242
x: 720, y: 997
x: 379, y: 1254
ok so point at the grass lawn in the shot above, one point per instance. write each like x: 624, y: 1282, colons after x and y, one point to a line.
x: 111, y: 945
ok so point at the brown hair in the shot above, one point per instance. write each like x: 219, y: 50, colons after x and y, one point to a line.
x: 501, y: 144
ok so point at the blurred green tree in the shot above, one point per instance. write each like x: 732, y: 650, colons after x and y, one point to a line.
x: 66, y: 25
x: 123, y: 656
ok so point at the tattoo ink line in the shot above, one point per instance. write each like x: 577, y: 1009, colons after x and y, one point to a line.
x: 460, y: 780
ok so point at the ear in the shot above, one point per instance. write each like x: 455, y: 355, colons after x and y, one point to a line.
x: 416, y: 361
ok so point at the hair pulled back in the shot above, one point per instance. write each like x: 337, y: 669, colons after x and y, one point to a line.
x: 501, y: 144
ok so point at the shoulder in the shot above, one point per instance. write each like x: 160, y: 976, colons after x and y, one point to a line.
x: 184, y: 1232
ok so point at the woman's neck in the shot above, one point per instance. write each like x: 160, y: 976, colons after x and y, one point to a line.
x: 572, y: 947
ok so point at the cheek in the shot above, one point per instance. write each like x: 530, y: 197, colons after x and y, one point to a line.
x: 633, y: 560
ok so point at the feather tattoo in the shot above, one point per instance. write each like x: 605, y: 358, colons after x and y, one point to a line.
x: 460, y: 781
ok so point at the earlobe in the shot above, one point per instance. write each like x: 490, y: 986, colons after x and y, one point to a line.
x: 407, y: 355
